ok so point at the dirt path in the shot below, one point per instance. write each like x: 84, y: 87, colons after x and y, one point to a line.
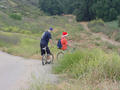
x: 15, y: 72
x: 103, y: 37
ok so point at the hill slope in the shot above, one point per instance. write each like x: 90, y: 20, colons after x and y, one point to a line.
x: 25, y: 7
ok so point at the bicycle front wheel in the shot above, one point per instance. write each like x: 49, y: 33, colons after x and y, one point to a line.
x: 43, y: 60
x: 51, y: 58
x: 60, y: 55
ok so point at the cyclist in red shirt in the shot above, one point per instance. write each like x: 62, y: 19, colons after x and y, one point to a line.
x: 64, y: 41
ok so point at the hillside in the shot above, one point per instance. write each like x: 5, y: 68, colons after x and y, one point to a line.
x: 24, y: 7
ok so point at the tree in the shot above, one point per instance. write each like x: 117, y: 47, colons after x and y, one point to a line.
x: 106, y: 9
x: 84, y: 10
x: 50, y: 6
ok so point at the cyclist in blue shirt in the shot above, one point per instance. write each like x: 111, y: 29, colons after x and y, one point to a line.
x: 45, y: 39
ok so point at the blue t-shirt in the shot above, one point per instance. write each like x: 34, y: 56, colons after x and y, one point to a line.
x: 45, y: 38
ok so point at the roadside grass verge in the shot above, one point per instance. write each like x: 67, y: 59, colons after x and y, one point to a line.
x: 26, y: 48
x: 18, y: 44
x: 77, y: 85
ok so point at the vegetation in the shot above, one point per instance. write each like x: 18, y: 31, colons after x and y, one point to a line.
x: 85, y: 69
x: 110, y: 29
x: 29, y: 33
x: 87, y: 62
x: 16, y: 16
x: 24, y: 7
x: 84, y: 10
x: 119, y: 21
x: 17, y: 44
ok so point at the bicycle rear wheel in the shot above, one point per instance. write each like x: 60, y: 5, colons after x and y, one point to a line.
x: 60, y: 55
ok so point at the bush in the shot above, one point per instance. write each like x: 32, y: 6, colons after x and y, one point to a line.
x: 16, y: 16
x: 88, y: 62
x: 97, y: 22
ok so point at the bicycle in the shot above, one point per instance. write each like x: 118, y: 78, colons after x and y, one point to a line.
x: 45, y: 58
x: 61, y: 53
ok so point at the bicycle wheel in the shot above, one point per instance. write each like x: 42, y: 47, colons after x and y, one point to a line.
x: 60, y: 55
x: 51, y: 59
x: 43, y: 59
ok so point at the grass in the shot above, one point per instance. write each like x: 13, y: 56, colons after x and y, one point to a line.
x: 30, y: 30
x: 18, y: 44
x: 85, y: 70
x: 110, y: 29
x: 87, y: 62
x: 77, y: 85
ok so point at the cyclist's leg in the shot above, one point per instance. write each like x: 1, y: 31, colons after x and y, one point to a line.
x: 42, y: 49
x: 48, y: 53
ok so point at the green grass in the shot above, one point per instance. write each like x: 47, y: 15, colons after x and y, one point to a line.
x: 85, y: 70
x: 18, y: 44
x: 87, y: 62
x: 27, y: 47
x: 113, y: 24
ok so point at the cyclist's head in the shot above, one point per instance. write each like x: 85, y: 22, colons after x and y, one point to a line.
x: 51, y: 29
x: 65, y: 34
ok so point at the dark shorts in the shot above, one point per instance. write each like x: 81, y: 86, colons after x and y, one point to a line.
x: 44, y: 49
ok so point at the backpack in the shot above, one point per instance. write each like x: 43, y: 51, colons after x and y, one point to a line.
x: 59, y: 45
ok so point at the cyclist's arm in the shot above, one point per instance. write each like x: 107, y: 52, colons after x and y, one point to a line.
x: 51, y: 41
x: 69, y: 43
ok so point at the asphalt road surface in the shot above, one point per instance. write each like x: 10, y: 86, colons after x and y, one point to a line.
x: 16, y: 72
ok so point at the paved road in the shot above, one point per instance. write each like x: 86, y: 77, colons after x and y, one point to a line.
x: 15, y: 72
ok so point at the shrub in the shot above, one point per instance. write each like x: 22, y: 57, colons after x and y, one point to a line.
x: 97, y: 22
x: 16, y: 16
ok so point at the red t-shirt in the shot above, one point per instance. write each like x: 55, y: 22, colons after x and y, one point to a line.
x: 64, y: 43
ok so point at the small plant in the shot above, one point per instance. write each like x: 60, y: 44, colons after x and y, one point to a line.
x: 97, y: 43
x: 16, y: 16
